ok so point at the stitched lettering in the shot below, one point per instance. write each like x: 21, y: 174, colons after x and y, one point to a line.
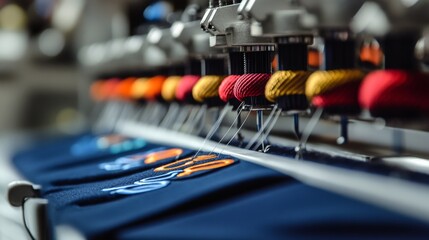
x: 206, y: 166
x: 184, y: 162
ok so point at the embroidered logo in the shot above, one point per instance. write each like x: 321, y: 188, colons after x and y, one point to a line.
x: 114, y: 143
x: 137, y: 160
x: 180, y: 169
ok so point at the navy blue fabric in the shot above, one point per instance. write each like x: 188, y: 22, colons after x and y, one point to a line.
x: 102, y: 169
x: 34, y: 162
x: 239, y: 201
x: 48, y: 148
x: 292, y: 211
x: 94, y: 211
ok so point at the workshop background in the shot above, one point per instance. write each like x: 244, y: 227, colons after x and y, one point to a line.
x: 40, y: 71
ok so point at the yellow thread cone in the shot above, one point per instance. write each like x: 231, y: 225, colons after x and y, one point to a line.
x: 207, y: 87
x: 324, y: 81
x: 139, y: 88
x: 169, y: 88
x: 284, y: 83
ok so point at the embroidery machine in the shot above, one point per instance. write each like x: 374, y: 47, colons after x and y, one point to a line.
x: 246, y: 32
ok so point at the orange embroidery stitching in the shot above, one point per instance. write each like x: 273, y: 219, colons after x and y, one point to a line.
x: 206, y: 166
x: 186, y: 162
x: 157, y: 182
x: 113, y: 139
x: 157, y: 156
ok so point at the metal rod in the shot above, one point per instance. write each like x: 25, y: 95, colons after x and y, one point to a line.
x: 260, y: 123
x: 240, y: 137
x: 344, y: 130
x: 398, y: 141
x: 296, y: 126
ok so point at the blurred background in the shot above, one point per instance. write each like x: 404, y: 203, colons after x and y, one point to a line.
x: 41, y: 75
